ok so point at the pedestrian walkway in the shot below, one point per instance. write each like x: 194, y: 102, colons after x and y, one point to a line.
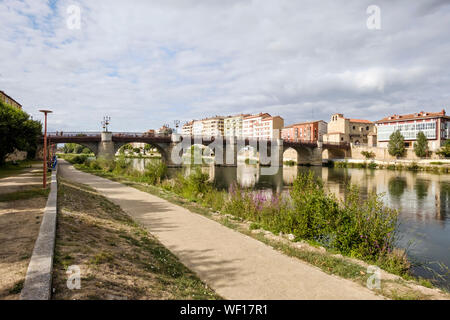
x: 234, y: 265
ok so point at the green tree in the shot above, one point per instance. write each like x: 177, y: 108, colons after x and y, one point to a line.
x: 86, y: 151
x: 444, y: 151
x: 78, y: 149
x: 421, y: 145
x: 396, y: 145
x: 17, y: 131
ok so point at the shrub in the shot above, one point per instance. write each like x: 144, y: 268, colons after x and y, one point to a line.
x: 444, y: 151
x: 413, y: 166
x: 289, y: 163
x: 368, y: 154
x: 372, y: 165
x: 155, y: 172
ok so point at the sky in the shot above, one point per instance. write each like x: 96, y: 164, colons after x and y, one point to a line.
x: 147, y: 63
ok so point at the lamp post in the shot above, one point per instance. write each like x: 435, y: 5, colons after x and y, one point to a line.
x: 45, y: 112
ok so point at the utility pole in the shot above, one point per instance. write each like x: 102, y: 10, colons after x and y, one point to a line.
x: 45, y: 112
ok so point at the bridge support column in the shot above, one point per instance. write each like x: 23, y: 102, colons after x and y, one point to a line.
x: 316, y: 155
x: 228, y: 156
x: 172, y: 155
x: 106, y: 147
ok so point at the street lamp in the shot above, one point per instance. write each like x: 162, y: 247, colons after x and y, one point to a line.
x: 105, y: 123
x: 45, y: 147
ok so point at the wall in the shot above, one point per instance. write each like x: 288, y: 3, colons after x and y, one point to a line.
x: 16, y: 156
x: 382, y: 154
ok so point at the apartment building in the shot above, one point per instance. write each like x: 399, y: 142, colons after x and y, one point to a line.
x: 435, y: 126
x: 197, y: 127
x: 8, y: 100
x: 213, y: 127
x: 262, y: 126
x: 233, y: 125
x: 341, y: 129
x: 186, y: 129
x: 311, y: 131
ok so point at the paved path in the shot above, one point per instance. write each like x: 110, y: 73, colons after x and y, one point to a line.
x: 234, y: 265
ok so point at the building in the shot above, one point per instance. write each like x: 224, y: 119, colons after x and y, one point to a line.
x: 311, y: 131
x: 435, y: 126
x: 8, y: 100
x: 262, y: 126
x: 165, y: 130
x: 233, y: 125
x: 341, y: 129
x: 186, y: 129
x: 213, y: 127
x: 197, y: 127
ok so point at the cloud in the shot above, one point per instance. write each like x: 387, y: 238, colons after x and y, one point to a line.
x: 156, y: 61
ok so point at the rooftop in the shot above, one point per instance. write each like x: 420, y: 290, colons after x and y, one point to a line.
x: 412, y: 116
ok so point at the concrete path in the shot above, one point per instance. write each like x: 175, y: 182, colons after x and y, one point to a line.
x: 234, y: 265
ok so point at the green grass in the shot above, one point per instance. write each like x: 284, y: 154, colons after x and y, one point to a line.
x: 25, y: 194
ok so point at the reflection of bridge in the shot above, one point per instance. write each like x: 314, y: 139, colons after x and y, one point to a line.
x: 225, y: 149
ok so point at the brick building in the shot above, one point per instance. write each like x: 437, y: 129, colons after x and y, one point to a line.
x: 311, y: 131
x: 8, y: 100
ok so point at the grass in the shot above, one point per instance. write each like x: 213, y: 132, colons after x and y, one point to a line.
x: 118, y: 258
x: 25, y: 194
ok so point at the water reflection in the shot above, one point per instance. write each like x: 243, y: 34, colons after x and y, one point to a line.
x: 422, y: 199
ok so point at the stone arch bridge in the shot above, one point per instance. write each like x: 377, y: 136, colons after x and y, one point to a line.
x: 225, y: 149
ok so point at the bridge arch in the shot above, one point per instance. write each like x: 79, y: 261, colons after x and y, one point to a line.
x: 304, y: 155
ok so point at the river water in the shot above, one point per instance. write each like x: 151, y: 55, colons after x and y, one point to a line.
x: 422, y: 200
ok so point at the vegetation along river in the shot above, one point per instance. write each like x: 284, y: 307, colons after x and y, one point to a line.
x: 422, y: 200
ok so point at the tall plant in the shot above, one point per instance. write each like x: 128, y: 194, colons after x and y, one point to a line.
x: 396, y: 145
x: 421, y: 145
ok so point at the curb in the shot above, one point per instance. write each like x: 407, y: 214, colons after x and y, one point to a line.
x: 38, y: 280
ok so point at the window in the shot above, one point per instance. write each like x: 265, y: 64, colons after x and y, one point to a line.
x: 367, y: 128
x: 354, y: 127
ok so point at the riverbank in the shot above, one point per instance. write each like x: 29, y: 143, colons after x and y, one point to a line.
x: 327, y: 261
x: 434, y: 166
x: 118, y: 258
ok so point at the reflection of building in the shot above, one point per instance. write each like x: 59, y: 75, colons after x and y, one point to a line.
x: 8, y: 100
x: 306, y: 131
x: 262, y: 126
x: 435, y: 126
x: 342, y: 129
x: 233, y: 125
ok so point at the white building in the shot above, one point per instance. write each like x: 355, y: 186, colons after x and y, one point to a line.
x: 262, y: 126
x: 233, y: 125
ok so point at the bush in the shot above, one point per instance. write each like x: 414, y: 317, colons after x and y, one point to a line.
x: 80, y: 159
x: 372, y: 165
x: 368, y: 154
x: 155, y: 172
x: 444, y: 151
x: 289, y: 163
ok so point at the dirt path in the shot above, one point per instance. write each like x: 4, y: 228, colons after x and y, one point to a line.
x: 29, y: 178
x: 234, y: 265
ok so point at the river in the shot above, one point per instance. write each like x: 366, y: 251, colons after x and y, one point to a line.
x: 422, y: 200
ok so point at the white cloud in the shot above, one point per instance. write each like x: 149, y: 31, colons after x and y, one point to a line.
x: 151, y: 62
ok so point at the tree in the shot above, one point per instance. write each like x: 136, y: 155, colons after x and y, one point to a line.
x: 78, y: 149
x: 444, y: 151
x: 421, y: 145
x: 17, y: 131
x: 86, y: 151
x: 396, y: 145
